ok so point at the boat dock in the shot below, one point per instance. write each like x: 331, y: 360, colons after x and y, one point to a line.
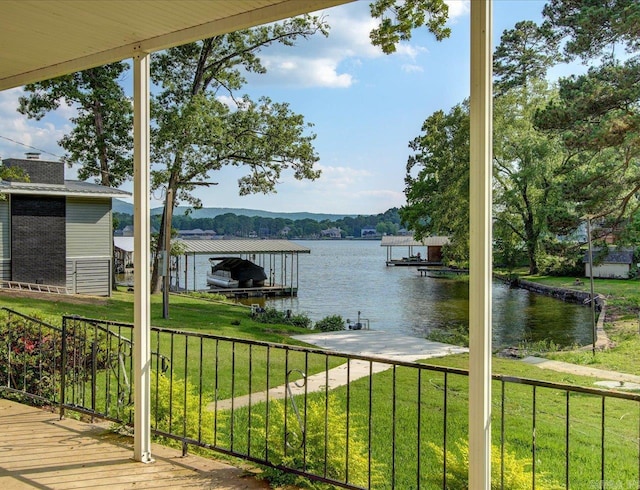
x: 431, y: 246
x: 408, y: 262
x: 277, y: 290
x: 442, y: 272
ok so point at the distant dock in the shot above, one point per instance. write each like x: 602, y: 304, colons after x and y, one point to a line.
x: 274, y: 291
x: 442, y: 272
x: 410, y: 262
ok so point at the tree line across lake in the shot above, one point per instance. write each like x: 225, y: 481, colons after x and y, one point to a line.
x: 230, y: 224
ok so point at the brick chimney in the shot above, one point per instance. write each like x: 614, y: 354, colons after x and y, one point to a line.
x: 39, y: 171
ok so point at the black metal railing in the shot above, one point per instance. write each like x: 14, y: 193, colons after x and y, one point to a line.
x: 350, y: 421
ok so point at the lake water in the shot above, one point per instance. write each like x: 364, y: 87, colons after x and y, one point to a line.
x: 346, y: 276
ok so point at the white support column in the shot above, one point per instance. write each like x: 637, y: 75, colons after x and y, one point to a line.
x: 141, y: 313
x: 480, y: 266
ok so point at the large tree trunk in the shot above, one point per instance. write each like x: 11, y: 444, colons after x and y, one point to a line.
x: 164, y: 235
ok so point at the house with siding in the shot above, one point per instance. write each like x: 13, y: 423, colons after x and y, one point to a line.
x: 56, y: 232
x: 610, y: 263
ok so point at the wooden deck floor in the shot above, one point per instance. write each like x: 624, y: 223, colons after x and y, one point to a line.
x: 37, y: 450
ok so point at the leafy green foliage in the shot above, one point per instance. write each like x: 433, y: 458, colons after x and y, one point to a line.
x: 196, y: 133
x: 527, y: 173
x: 517, y: 472
x: 271, y: 315
x: 331, y: 323
x: 325, y: 445
x: 397, y: 19
x: 177, y: 408
x: 524, y: 55
x: 437, y: 180
x: 593, y: 28
x: 31, y: 357
x: 598, y: 118
x: 101, y: 139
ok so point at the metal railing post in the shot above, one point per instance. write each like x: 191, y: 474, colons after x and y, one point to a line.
x: 63, y: 364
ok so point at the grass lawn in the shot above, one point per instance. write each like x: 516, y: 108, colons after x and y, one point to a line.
x: 376, y: 424
x: 185, y: 313
x: 622, y: 323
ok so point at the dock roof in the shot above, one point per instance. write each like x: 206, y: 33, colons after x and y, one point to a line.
x: 409, y: 241
x: 240, y: 246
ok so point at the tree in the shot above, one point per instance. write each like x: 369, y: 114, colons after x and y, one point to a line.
x: 525, y: 160
x: 399, y: 18
x: 598, y: 114
x: 437, y: 180
x: 527, y: 174
x: 524, y: 55
x: 598, y: 118
x: 101, y: 138
x: 197, y: 133
x: 594, y: 28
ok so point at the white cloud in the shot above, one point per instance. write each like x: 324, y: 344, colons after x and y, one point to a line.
x: 307, y: 72
x: 341, y: 177
x: 331, y: 62
x: 457, y: 8
x: 412, y: 68
x: 410, y: 51
x: 228, y: 101
x: 19, y: 134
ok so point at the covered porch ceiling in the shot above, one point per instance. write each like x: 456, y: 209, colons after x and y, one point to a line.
x: 43, y: 39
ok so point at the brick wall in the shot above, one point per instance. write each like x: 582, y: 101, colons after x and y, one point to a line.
x: 38, y: 242
x: 39, y: 171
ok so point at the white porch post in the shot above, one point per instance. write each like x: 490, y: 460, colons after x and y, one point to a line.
x: 480, y: 266
x: 141, y: 322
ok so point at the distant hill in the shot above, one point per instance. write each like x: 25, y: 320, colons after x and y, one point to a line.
x: 120, y: 206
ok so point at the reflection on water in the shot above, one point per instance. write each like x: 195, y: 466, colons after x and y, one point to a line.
x: 344, y: 277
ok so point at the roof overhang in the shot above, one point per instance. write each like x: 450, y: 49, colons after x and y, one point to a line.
x: 68, y: 189
x: 212, y: 247
x: 409, y: 241
x: 43, y: 40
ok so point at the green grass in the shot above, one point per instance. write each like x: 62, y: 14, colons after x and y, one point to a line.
x: 398, y: 434
x: 622, y: 323
x: 386, y: 436
x: 622, y: 294
x: 220, y: 368
x: 185, y: 313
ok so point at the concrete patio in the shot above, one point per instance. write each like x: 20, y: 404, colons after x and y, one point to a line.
x: 37, y: 450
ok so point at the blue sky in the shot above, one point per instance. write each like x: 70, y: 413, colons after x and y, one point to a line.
x: 365, y: 107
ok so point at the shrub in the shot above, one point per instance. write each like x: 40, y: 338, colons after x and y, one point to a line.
x: 517, y: 472
x: 332, y: 323
x: 271, y: 315
x: 30, y: 357
x: 170, y: 413
x: 556, y: 265
x: 322, y: 445
x: 207, y: 296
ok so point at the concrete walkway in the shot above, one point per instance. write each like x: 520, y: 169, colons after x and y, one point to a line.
x: 377, y: 343
x: 372, y: 343
x: 37, y: 450
x: 566, y: 367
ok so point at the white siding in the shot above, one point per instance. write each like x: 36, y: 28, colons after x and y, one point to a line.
x: 611, y: 271
x: 89, y: 228
x: 89, y: 246
x: 89, y: 276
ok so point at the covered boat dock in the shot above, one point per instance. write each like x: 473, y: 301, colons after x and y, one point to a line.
x: 279, y: 258
x: 427, y: 251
